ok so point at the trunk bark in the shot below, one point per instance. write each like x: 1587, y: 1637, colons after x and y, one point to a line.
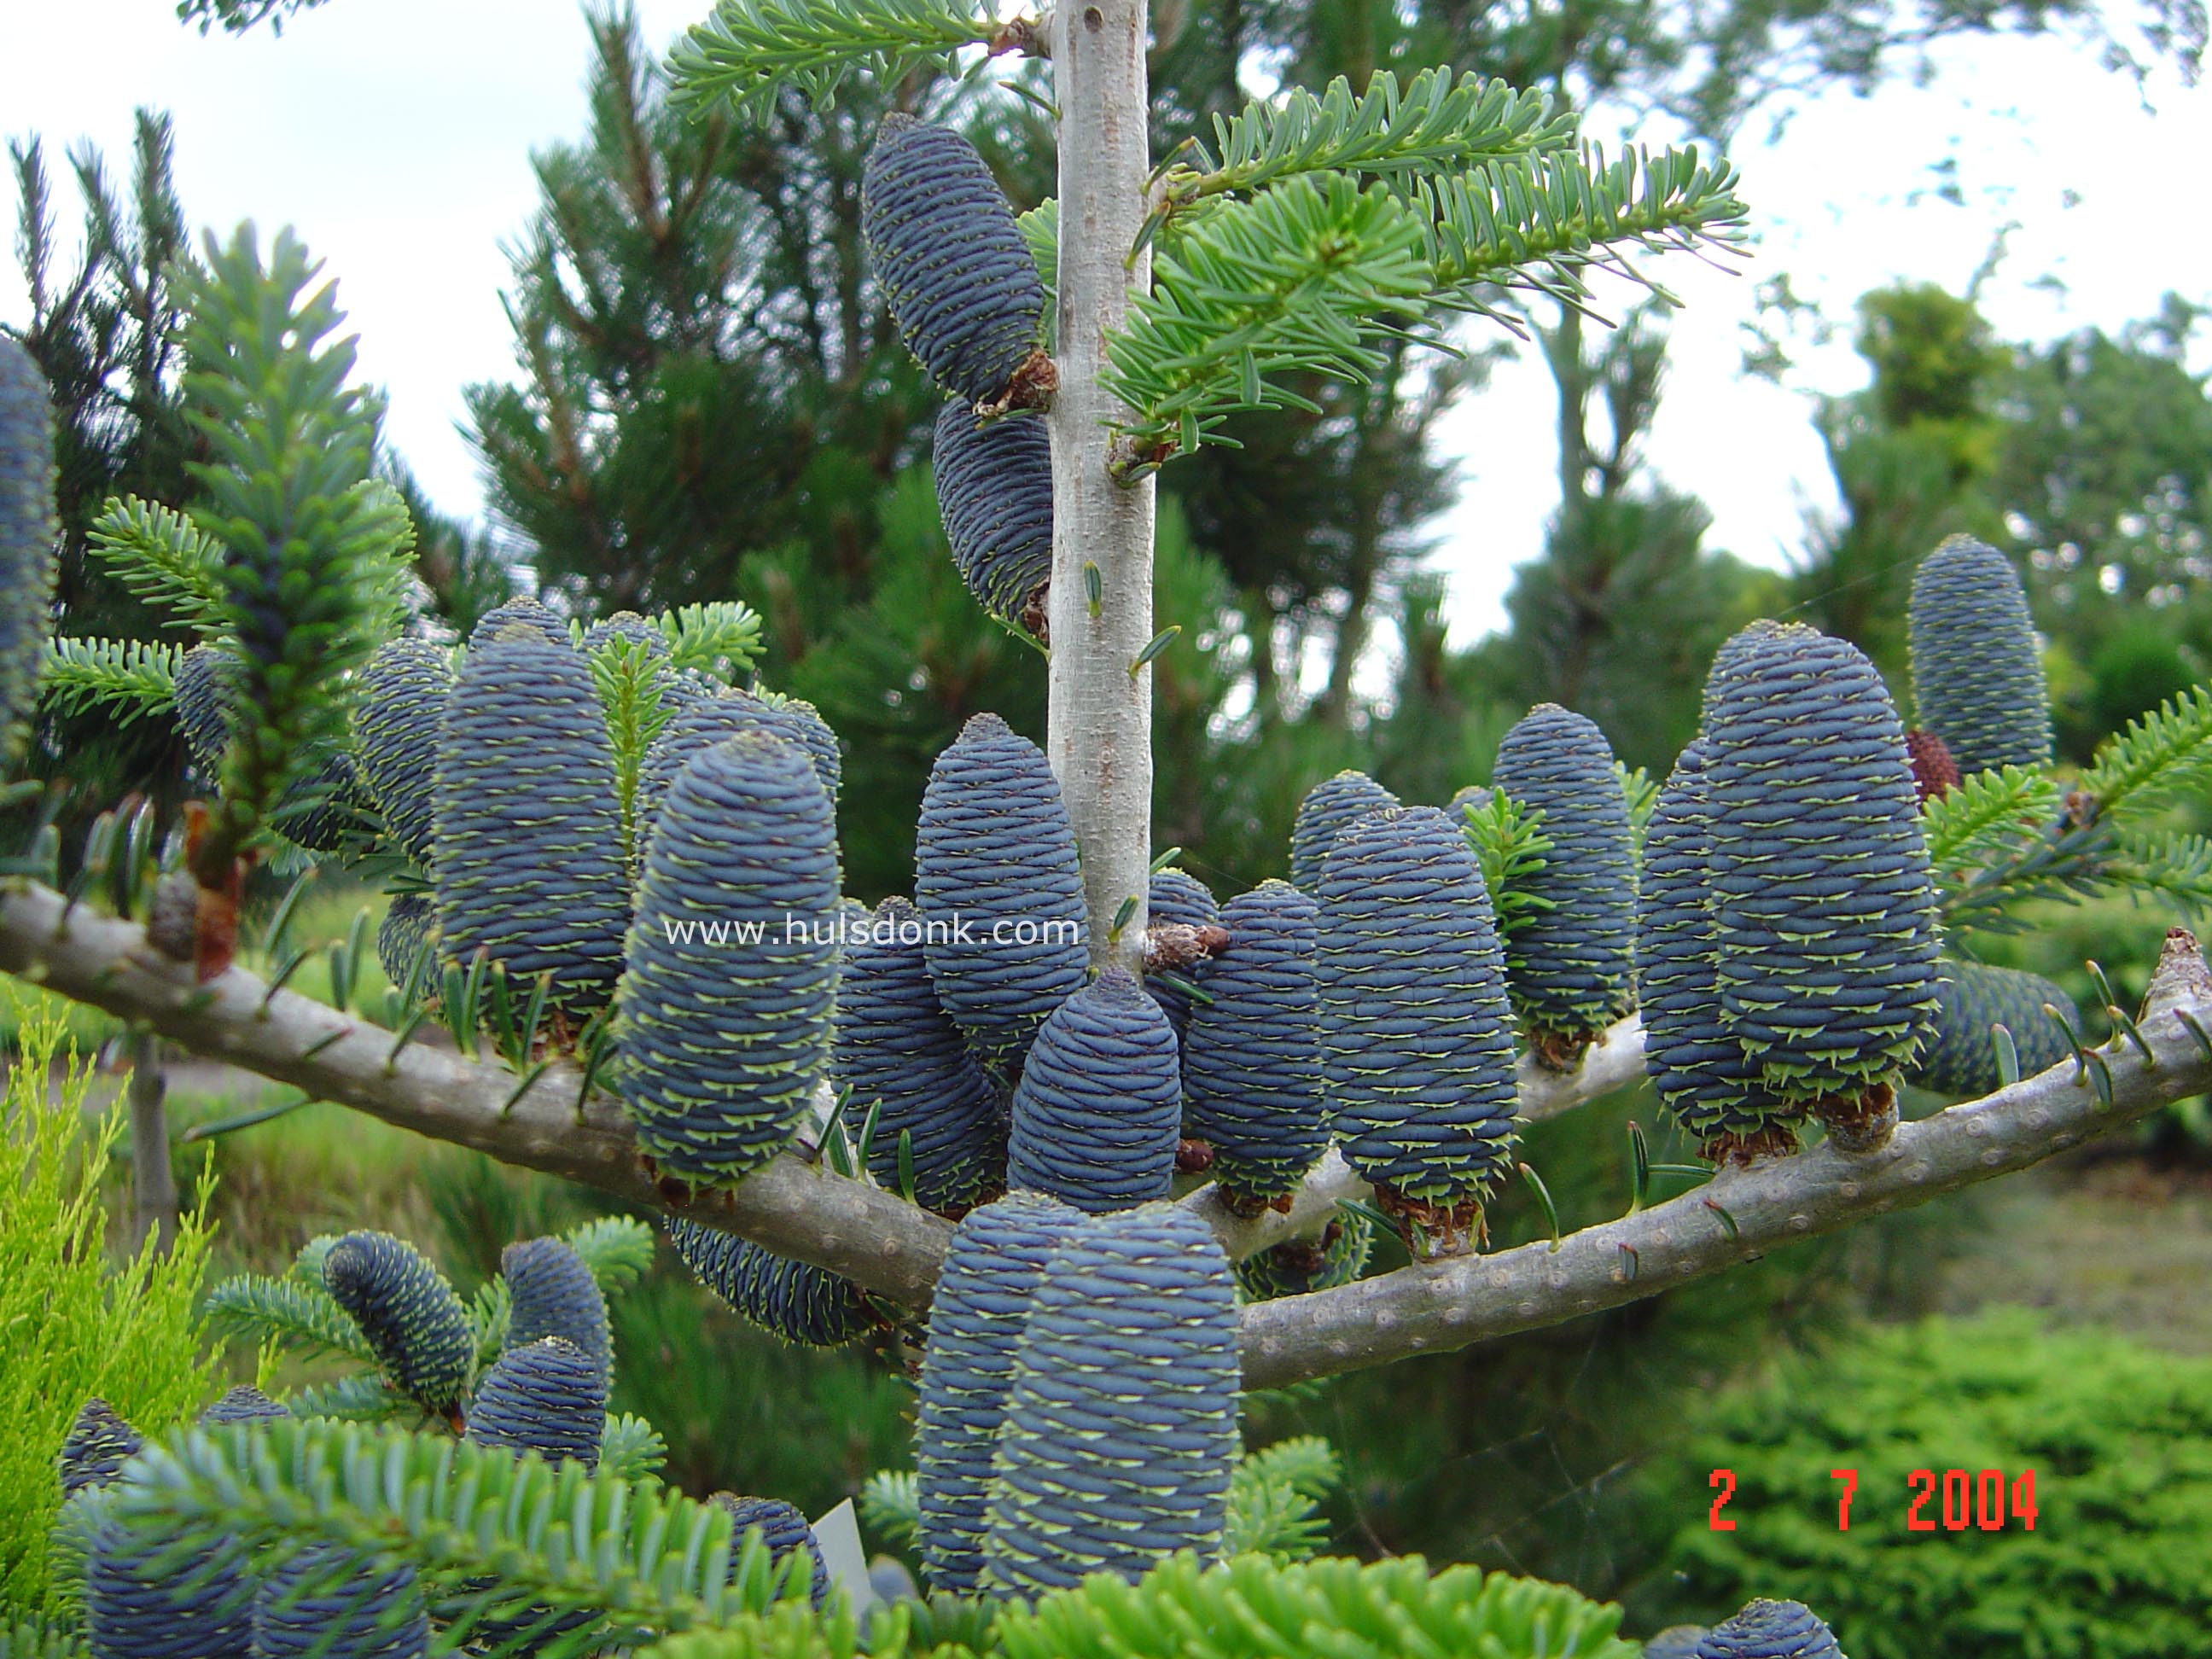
x: 153, y: 1183
x: 1101, y: 705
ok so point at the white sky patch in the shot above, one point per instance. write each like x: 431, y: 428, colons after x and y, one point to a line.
x: 396, y: 135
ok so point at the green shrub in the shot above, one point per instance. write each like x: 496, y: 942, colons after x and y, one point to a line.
x: 2120, y: 1440
x: 76, y: 1324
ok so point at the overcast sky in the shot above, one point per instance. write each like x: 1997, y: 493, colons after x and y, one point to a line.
x: 396, y: 135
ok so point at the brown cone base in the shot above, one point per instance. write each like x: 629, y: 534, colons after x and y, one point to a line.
x: 1774, y: 1140
x: 1559, y: 1051
x: 1859, y: 1124
x: 1305, y: 1258
x: 1433, y: 1232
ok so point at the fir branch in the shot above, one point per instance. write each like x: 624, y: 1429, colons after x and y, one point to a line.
x: 630, y: 679
x: 1510, y: 844
x: 2174, y: 865
x: 1641, y: 791
x: 1274, y: 1498
x: 35, y: 1638
x: 299, y: 1317
x: 364, y: 1397
x: 631, y: 1448
x: 2159, y: 758
x: 1989, y: 818
x: 617, y: 1249
x: 1040, y: 228
x: 1536, y: 221
x: 159, y: 556
x: 490, y: 1309
x: 747, y: 51
x: 721, y: 639
x: 890, y: 1503
x: 523, y: 1536
x: 1251, y: 1605
x: 315, y: 573
x: 1303, y: 278
x: 1437, y: 123
x: 123, y: 678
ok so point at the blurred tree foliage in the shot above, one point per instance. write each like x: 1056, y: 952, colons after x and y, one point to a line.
x: 104, y: 332
x: 2114, y: 1433
x: 2089, y: 459
x: 712, y: 402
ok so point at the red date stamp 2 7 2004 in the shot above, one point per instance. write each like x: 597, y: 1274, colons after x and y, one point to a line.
x: 1985, y: 1500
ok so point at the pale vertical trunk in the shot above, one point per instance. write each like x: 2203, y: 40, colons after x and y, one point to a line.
x: 152, y: 1184
x: 1101, y: 719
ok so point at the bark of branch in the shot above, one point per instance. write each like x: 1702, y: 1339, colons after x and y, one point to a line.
x: 803, y: 1210
x: 1100, y: 739
x: 798, y: 1208
x: 1742, y: 1212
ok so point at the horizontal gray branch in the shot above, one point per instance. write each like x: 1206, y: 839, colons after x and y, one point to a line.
x: 851, y: 1227
x: 1742, y: 1212
x: 799, y: 1208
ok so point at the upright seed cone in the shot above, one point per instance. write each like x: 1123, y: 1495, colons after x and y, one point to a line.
x: 1569, y: 968
x: 997, y: 880
x: 1097, y: 1115
x: 1121, y: 1425
x: 1417, y: 1035
x: 954, y: 269
x: 727, y: 1000
x: 1251, y: 1059
x: 1976, y: 672
x: 992, y: 1270
x: 1824, y: 904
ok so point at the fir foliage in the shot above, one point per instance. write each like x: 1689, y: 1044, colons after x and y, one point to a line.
x: 1254, y: 1608
x: 314, y: 569
x: 748, y: 51
x: 162, y: 557
x: 1436, y: 121
x: 1274, y: 1499
x: 533, y: 1540
x: 123, y: 680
